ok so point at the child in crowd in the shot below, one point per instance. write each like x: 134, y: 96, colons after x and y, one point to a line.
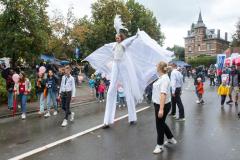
x: 96, y: 85
x: 91, y: 83
x: 101, y: 91
x: 200, y: 90
x: 223, y: 91
x: 40, y: 85
x: 121, y: 97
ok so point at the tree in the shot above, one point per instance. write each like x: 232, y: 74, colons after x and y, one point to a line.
x: 134, y: 15
x: 144, y: 19
x: 24, y: 28
x: 103, y: 13
x: 236, y: 36
x: 61, y: 42
x: 81, y: 34
x: 179, y: 52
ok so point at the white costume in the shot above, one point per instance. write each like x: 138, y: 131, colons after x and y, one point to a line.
x: 131, y: 63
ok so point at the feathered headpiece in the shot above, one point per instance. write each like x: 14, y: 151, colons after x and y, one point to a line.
x: 118, y: 24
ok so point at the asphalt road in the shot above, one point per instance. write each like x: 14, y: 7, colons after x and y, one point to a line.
x: 209, y: 132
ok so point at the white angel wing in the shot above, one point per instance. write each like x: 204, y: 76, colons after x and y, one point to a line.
x: 145, y: 53
x: 118, y: 24
x: 101, y: 59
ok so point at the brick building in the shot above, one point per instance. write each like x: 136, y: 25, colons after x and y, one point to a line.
x: 201, y: 40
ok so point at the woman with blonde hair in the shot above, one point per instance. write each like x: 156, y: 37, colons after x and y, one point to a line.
x: 161, y: 98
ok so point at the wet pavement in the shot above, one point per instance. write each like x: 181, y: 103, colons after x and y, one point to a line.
x: 83, y: 95
x: 209, y: 132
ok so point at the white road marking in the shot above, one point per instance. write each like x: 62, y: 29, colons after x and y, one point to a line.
x: 53, y: 144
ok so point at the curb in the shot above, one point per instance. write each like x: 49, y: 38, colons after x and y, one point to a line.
x: 73, y: 105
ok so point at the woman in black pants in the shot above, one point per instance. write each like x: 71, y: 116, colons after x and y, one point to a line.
x: 161, y: 97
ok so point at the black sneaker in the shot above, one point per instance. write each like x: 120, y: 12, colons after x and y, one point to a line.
x: 236, y: 103
x: 133, y: 123
x: 229, y: 102
x: 105, y: 126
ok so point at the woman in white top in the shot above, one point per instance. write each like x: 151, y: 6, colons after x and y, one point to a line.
x: 161, y: 98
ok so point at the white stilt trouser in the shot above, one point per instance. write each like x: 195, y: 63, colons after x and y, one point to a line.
x: 118, y: 76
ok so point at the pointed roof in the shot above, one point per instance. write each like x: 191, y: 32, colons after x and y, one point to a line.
x: 200, y: 18
x: 200, y: 21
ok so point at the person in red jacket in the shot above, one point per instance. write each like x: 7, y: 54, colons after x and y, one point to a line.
x: 200, y: 91
x: 101, y: 91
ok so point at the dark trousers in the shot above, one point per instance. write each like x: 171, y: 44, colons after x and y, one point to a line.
x: 161, y: 126
x: 66, y: 99
x: 212, y: 82
x: 97, y: 94
x: 101, y: 96
x: 121, y: 101
x: 223, y: 98
x: 177, y: 101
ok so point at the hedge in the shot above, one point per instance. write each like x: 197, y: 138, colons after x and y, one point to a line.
x: 202, y: 60
x: 3, y: 92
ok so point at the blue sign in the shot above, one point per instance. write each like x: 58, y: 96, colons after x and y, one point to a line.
x: 220, y: 61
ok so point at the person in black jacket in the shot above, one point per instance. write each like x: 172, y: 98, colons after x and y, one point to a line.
x: 40, y: 85
x: 51, y: 84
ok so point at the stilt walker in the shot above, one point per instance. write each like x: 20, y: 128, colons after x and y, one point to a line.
x: 130, y: 62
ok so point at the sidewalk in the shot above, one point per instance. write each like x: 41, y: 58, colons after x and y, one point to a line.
x: 83, y: 95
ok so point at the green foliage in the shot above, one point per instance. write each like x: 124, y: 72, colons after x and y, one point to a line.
x: 144, y: 19
x: 32, y: 96
x: 3, y: 92
x: 236, y: 35
x: 92, y: 33
x: 26, y: 31
x: 202, y: 60
x: 24, y: 28
x: 179, y: 52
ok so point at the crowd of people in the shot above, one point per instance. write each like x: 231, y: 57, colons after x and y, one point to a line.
x: 51, y: 87
x: 99, y: 85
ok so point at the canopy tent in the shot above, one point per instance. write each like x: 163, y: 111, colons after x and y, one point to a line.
x: 47, y: 58
x: 181, y: 63
x: 52, y: 60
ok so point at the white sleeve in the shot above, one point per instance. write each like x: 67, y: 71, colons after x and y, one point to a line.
x: 73, y: 88
x: 164, y: 87
x: 181, y: 78
x: 60, y: 90
x: 173, y: 82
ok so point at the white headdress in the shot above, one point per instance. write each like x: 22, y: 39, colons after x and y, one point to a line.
x: 118, y: 24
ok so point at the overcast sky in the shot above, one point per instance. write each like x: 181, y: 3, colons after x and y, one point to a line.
x: 175, y: 16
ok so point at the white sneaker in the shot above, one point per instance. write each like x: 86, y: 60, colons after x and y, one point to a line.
x: 23, y: 116
x: 100, y: 101
x: 124, y: 105
x: 55, y: 113
x: 47, y: 114
x: 64, y: 123
x: 72, y: 116
x: 119, y: 106
x: 103, y: 100
x: 158, y: 149
x: 171, y: 141
x: 197, y: 101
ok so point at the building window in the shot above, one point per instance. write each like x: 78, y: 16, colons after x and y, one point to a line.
x: 189, y: 49
x: 209, y: 46
x: 199, y: 47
